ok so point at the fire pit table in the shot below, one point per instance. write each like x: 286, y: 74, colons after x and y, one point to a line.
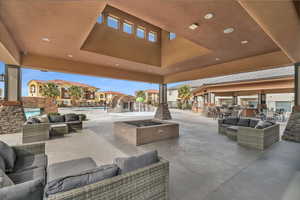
x: 145, y: 131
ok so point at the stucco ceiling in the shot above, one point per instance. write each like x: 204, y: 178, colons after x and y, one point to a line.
x: 68, y: 24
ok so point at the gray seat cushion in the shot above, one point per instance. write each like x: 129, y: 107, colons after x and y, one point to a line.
x: 263, y: 124
x: 135, y: 162
x: 233, y: 128
x: 2, y: 164
x: 71, y: 117
x: 81, y: 179
x: 231, y: 120
x: 253, y: 123
x: 9, y: 156
x: 243, y: 122
x: 28, y: 175
x: 56, y: 118
x: 4, y: 180
x: 31, y: 190
x: 68, y: 168
x: 30, y: 162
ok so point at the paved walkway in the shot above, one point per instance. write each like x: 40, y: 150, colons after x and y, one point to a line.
x: 203, y: 164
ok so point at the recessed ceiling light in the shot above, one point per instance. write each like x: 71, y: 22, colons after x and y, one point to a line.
x: 117, y: 64
x: 193, y: 26
x: 45, y: 39
x: 70, y: 55
x: 209, y: 16
x: 217, y: 59
x: 228, y: 30
x: 244, y: 42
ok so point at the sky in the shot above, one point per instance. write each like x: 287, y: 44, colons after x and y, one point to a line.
x: 105, y: 84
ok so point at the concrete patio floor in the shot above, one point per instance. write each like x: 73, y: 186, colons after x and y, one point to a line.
x: 203, y: 164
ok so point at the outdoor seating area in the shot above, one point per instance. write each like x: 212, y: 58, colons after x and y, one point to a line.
x: 41, y: 128
x: 250, y: 133
x: 25, y: 173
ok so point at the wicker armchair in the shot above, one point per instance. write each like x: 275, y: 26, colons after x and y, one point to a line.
x: 38, y: 148
x: 147, y: 183
x: 35, y: 132
x: 258, y: 138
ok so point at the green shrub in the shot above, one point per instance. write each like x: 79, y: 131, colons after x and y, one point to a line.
x: 53, y: 113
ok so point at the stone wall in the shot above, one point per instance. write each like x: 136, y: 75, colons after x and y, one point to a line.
x: 292, y: 130
x: 44, y: 103
x: 162, y: 112
x: 12, y: 117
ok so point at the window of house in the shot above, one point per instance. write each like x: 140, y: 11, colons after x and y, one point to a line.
x: 172, y: 36
x: 140, y: 32
x: 127, y: 27
x: 32, y: 88
x: 112, y: 22
x: 152, y: 36
x: 40, y: 89
x: 100, y: 19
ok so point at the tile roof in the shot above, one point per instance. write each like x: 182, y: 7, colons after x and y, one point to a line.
x: 151, y: 91
x: 257, y: 75
x: 113, y: 92
x: 63, y: 82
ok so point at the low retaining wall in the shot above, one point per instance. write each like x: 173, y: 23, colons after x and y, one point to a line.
x: 46, y: 104
x: 12, y: 117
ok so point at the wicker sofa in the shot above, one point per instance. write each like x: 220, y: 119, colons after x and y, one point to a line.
x: 250, y: 132
x: 150, y: 182
x: 40, y: 131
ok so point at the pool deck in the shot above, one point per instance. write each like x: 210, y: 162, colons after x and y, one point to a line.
x: 203, y: 164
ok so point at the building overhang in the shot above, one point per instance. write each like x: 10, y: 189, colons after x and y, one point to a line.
x: 48, y: 35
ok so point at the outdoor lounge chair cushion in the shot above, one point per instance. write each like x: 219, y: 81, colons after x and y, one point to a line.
x: 33, y: 120
x: 28, y: 175
x: 233, y: 128
x: 71, y: 117
x: 253, y: 123
x: 68, y: 168
x: 263, y: 124
x: 2, y: 164
x: 4, y: 180
x: 243, y: 122
x: 27, y: 162
x: 56, y: 118
x: 9, y: 156
x: 43, y: 119
x: 135, y: 162
x: 81, y: 179
x: 231, y: 120
x: 31, y: 190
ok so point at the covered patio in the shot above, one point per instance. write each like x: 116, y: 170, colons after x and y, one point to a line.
x: 212, y: 39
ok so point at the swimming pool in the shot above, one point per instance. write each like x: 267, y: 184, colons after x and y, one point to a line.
x: 29, y: 112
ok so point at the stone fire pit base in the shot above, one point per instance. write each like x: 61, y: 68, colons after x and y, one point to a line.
x: 145, y: 131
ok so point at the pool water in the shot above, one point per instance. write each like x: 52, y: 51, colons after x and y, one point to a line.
x: 29, y: 112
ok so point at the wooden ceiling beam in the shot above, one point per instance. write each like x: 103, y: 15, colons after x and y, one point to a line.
x: 9, y: 51
x: 280, y: 20
x: 68, y: 66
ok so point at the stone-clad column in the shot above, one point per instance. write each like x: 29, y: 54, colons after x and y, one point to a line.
x: 12, y: 83
x: 292, y: 130
x: 162, y: 111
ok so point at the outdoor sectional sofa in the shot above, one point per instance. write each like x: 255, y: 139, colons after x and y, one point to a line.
x: 250, y: 133
x: 139, y: 177
x: 40, y: 128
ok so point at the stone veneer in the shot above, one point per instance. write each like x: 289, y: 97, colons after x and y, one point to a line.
x: 292, y: 130
x: 162, y: 112
x: 12, y: 117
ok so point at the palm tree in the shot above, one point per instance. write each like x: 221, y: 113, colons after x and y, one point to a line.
x: 75, y: 93
x: 50, y: 90
x: 184, y: 94
x: 140, y: 97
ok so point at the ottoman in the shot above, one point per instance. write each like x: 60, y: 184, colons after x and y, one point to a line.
x: 58, y: 130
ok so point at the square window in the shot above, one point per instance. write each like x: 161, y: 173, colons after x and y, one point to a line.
x: 100, y: 19
x: 152, y: 36
x: 140, y: 32
x: 127, y: 28
x: 172, y: 36
x: 112, y: 22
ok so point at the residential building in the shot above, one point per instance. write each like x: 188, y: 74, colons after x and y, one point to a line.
x: 1, y: 93
x: 35, y: 89
x: 109, y: 95
x: 152, y: 96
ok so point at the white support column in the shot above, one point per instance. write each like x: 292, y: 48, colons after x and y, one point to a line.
x: 12, y: 83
